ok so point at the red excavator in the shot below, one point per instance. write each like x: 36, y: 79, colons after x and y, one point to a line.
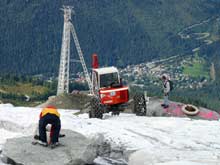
x: 109, y: 94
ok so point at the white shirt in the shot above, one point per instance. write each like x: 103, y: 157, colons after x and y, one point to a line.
x: 166, y: 86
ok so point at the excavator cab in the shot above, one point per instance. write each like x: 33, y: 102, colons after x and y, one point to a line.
x: 108, y: 87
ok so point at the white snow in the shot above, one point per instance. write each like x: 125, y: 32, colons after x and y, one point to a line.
x: 173, y: 141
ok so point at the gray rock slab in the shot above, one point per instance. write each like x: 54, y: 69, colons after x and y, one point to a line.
x: 76, y: 149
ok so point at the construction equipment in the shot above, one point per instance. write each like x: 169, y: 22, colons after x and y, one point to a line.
x: 109, y: 92
x: 78, y: 48
x: 140, y: 104
x: 63, y: 79
x: 106, y: 89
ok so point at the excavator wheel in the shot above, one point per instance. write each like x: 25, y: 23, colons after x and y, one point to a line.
x: 115, y: 113
x: 139, y: 105
x: 96, y: 109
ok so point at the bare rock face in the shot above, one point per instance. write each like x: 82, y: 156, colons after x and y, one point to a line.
x: 75, y: 149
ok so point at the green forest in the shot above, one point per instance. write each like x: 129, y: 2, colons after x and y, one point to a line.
x: 30, y: 90
x: 121, y: 32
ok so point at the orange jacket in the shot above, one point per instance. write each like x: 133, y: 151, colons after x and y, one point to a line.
x: 50, y: 110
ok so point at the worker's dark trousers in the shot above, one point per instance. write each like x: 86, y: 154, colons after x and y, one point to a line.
x: 55, y: 122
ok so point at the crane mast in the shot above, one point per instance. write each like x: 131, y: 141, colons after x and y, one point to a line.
x: 63, y: 78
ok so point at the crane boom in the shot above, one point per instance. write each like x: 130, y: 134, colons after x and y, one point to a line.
x: 79, y: 51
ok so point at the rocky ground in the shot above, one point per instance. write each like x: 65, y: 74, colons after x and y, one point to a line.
x: 171, y: 137
x: 75, y: 149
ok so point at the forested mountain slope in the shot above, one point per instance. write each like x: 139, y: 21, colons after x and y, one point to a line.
x: 121, y: 32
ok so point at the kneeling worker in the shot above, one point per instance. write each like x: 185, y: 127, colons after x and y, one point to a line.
x: 49, y: 115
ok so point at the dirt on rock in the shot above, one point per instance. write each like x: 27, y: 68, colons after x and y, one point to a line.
x: 78, y: 101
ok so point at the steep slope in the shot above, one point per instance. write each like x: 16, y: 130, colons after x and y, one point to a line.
x: 121, y: 32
